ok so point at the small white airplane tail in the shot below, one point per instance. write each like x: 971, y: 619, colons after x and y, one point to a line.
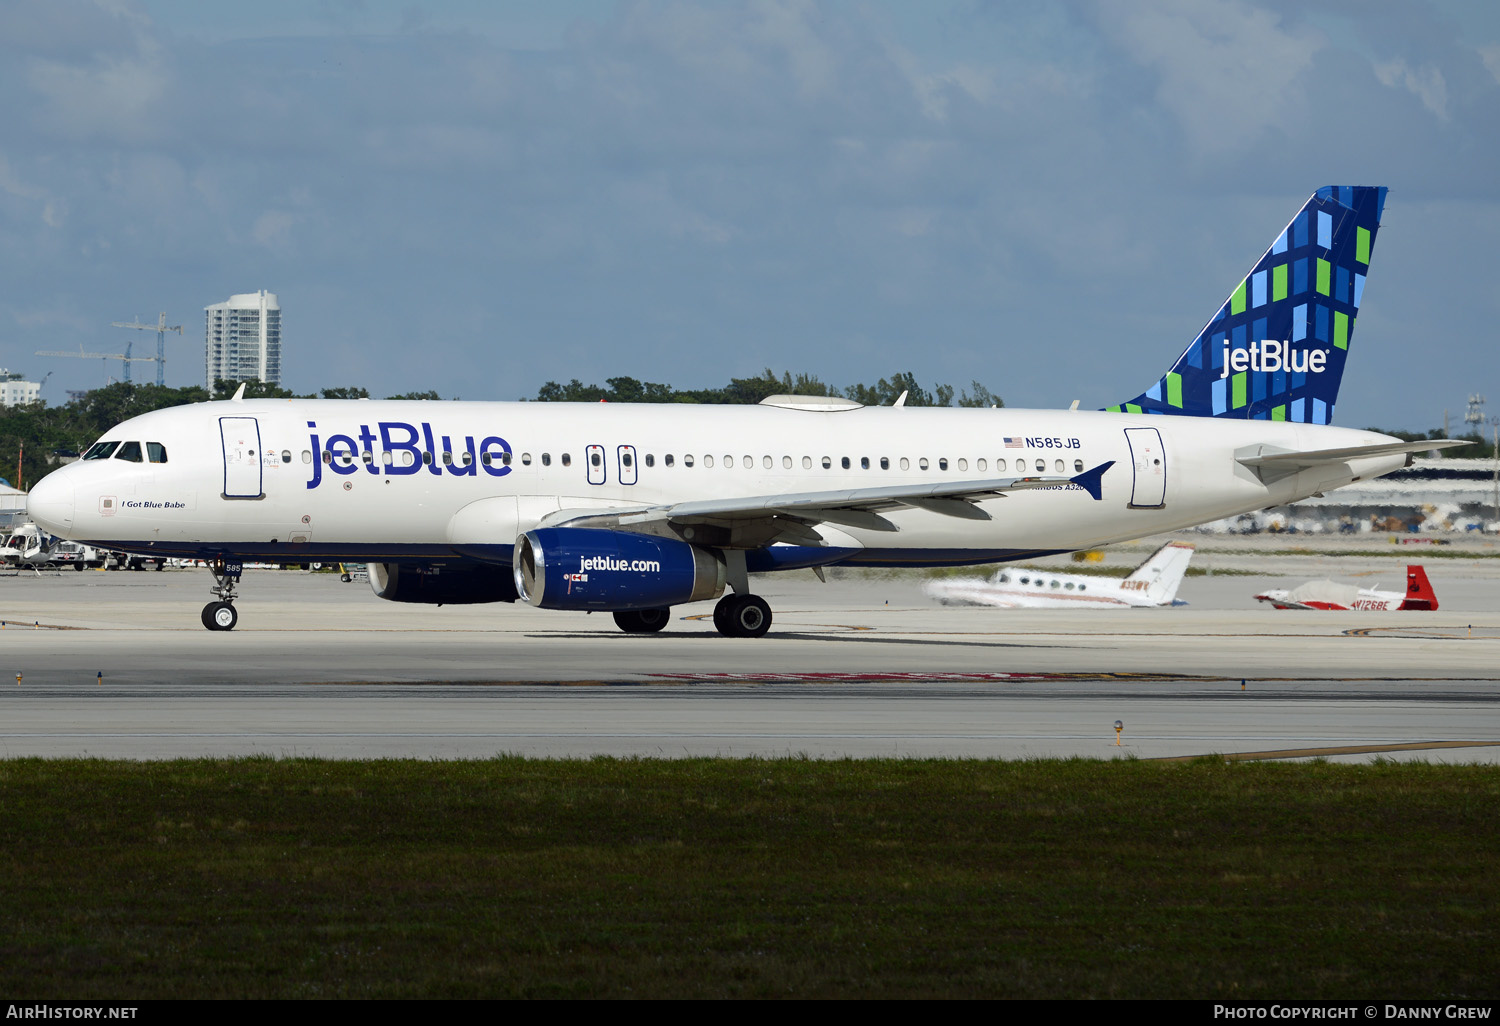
x: 1158, y: 577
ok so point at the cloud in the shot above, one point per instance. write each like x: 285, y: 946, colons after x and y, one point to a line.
x: 1426, y: 84
x: 1227, y: 71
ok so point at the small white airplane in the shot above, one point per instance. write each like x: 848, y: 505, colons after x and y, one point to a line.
x: 1153, y: 583
x: 1334, y: 595
x: 635, y: 508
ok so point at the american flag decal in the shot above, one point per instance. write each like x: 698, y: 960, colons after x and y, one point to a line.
x: 1012, y: 443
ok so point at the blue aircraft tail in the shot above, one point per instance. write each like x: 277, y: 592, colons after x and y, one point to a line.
x: 1276, y: 348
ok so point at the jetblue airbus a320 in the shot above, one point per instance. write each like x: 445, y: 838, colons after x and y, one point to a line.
x: 637, y: 508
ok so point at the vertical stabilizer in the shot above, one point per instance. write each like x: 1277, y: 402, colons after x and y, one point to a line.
x: 1276, y: 349
x: 1158, y: 577
x: 1419, y: 593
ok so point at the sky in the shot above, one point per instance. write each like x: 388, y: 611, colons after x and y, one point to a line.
x: 1048, y: 197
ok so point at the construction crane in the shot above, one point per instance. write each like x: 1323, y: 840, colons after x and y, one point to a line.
x: 161, y: 329
x: 124, y: 357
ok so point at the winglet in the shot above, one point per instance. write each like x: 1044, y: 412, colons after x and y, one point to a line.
x: 1091, y: 481
x: 239, y: 394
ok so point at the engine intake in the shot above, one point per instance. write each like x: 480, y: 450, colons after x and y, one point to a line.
x: 592, y: 568
x: 442, y: 584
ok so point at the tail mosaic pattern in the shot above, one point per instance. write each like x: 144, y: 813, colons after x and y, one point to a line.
x: 1276, y: 348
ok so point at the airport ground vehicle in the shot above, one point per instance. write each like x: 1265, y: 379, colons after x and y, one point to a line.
x: 634, y: 508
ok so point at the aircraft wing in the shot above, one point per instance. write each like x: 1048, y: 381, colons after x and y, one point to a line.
x: 855, y: 507
x: 1280, y: 459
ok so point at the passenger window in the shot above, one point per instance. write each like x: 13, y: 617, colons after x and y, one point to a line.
x: 468, y: 458
x: 827, y: 463
x: 905, y: 463
x: 407, y: 459
x: 368, y: 457
x: 525, y: 459
x: 844, y: 463
x: 687, y: 460
x: 101, y: 450
x: 943, y: 463
x: 426, y: 459
x: 505, y: 458
x: 626, y: 459
x: 567, y: 459
x: 885, y: 463
x: 667, y: 459
x: 749, y: 462
x: 1026, y: 580
x: 1083, y: 587
x: 728, y: 462
x: 864, y: 463
x: 130, y: 452
x: 1078, y: 466
x: 767, y: 462
x: 981, y: 464
x: 1069, y: 586
x: 546, y: 459
x: 327, y: 457
x: 922, y: 463
x: 1005, y: 578
x: 157, y: 453
x: 286, y: 456
x: 387, y: 458
x: 1058, y: 466
x: 306, y: 455
x: 484, y: 458
x: 1054, y: 584
x: 708, y: 461
x: 786, y: 463
x: 448, y: 459
x: 807, y: 463
x: 596, y: 459
x: 1041, y: 466
x: 963, y: 464
x: 650, y: 460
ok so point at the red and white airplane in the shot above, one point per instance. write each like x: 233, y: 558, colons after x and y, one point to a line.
x: 1333, y: 595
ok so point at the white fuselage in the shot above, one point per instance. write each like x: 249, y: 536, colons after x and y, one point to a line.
x: 381, y: 480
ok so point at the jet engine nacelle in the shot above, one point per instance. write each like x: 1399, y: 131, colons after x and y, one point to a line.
x: 440, y: 584
x: 593, y: 568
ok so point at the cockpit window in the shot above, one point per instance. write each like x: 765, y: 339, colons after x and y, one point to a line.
x: 156, y: 452
x: 100, y: 450
x: 130, y: 452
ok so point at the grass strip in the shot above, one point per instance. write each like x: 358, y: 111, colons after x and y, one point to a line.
x: 747, y: 878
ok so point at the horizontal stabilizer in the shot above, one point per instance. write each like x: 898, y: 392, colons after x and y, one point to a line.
x: 1270, y: 456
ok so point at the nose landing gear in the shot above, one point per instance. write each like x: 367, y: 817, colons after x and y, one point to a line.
x: 221, y: 615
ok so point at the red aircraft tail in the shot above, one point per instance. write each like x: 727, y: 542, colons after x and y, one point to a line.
x: 1419, y: 593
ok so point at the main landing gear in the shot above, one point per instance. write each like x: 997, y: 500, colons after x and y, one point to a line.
x: 221, y: 615
x: 742, y: 616
x: 642, y: 621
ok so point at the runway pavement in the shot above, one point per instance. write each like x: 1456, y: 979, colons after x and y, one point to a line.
x: 857, y: 667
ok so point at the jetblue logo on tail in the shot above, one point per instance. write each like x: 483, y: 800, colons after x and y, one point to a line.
x: 1271, y: 355
x: 1276, y: 348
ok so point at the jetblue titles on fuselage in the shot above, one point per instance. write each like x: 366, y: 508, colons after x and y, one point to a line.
x: 403, y: 455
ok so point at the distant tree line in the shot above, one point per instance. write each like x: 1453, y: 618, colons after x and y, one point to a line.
x: 767, y: 383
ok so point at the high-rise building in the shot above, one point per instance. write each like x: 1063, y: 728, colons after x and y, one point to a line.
x: 242, y: 339
x: 16, y: 391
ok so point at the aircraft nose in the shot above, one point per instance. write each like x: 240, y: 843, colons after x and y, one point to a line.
x: 50, y: 504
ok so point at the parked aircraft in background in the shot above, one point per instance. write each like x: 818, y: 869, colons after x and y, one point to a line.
x: 28, y: 547
x: 1153, y: 583
x: 635, y: 508
x: 1333, y: 595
